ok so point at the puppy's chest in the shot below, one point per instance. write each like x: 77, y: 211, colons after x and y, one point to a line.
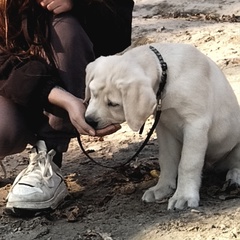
x: 171, y: 120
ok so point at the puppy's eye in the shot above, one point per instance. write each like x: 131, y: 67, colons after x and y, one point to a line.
x: 112, y: 104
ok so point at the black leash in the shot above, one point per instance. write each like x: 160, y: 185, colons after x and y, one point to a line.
x: 158, y: 113
x: 157, y: 116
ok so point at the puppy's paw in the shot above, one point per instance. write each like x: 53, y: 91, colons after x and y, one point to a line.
x: 180, y: 200
x: 157, y: 193
x: 233, y: 176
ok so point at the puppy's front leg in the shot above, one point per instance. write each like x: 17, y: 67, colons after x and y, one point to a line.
x: 169, y: 157
x: 195, y: 141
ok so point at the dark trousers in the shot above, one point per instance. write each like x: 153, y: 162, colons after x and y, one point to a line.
x: 73, y: 50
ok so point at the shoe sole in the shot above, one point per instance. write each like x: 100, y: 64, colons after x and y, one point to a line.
x: 51, y: 204
x: 26, y: 213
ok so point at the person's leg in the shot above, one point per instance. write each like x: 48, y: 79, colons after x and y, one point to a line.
x: 72, y: 50
x: 40, y: 185
x: 14, y: 131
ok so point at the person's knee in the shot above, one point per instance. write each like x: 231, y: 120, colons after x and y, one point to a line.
x: 68, y: 35
x: 12, y: 128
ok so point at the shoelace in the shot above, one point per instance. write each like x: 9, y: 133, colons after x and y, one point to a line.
x: 40, y: 168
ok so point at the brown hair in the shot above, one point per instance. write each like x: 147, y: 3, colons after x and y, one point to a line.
x: 22, y: 27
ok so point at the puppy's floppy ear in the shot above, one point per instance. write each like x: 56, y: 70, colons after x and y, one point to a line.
x: 139, y: 102
x: 93, y: 69
x: 89, y: 77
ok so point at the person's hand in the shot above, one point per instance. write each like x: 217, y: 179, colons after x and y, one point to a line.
x: 76, y: 111
x: 107, y: 130
x: 56, y: 6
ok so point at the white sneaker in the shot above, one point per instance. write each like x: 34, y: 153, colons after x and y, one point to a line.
x: 39, y: 186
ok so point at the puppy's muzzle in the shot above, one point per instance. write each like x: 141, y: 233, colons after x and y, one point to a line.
x: 91, y: 122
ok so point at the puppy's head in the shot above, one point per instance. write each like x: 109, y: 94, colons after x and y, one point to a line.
x: 118, y: 90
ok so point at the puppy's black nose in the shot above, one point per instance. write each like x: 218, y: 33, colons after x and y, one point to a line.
x: 91, y: 122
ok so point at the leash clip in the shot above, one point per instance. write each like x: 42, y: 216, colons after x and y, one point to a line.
x: 159, y: 104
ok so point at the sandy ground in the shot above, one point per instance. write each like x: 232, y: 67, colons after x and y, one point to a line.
x: 105, y: 204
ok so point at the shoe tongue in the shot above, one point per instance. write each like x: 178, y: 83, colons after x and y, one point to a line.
x: 39, y: 169
x: 41, y: 146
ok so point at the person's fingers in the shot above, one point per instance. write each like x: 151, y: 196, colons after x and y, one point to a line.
x: 44, y: 3
x: 55, y: 122
x: 56, y: 6
x: 108, y: 130
x: 51, y: 6
x: 83, y: 128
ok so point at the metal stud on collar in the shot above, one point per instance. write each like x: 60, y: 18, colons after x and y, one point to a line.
x: 164, y: 72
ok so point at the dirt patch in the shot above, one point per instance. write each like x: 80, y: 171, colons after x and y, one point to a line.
x: 106, y: 204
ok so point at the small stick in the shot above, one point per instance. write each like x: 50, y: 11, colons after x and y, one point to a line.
x: 3, y: 168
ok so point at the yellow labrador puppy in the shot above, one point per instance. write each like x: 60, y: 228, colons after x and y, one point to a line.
x: 200, y: 120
